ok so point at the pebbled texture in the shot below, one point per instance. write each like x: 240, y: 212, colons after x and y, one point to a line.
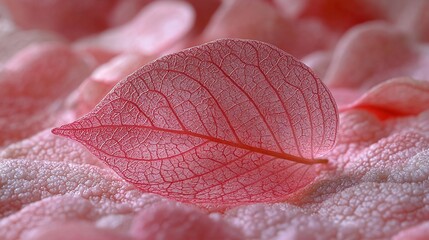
x: 44, y: 146
x: 374, y: 187
x: 377, y: 188
x: 36, y: 193
x: 11, y: 42
x: 226, y: 122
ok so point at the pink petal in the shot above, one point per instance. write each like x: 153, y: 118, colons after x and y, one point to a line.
x: 124, y: 11
x: 411, y: 18
x: 73, y: 231
x: 337, y: 14
x: 400, y: 96
x: 38, y: 193
x: 158, y: 26
x: 384, y: 52
x: 73, y: 19
x: 204, y: 11
x: 259, y: 20
x: 33, y: 85
x: 319, y: 62
x: 104, y: 78
x: 419, y: 232
x: 375, y: 186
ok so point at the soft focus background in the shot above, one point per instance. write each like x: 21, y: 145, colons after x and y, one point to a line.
x: 59, y: 58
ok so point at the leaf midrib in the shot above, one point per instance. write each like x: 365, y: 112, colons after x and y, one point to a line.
x: 284, y: 156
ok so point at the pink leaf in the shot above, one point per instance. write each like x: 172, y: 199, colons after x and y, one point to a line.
x: 226, y: 122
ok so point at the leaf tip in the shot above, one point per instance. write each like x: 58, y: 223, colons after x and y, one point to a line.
x: 60, y: 131
x: 56, y: 131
